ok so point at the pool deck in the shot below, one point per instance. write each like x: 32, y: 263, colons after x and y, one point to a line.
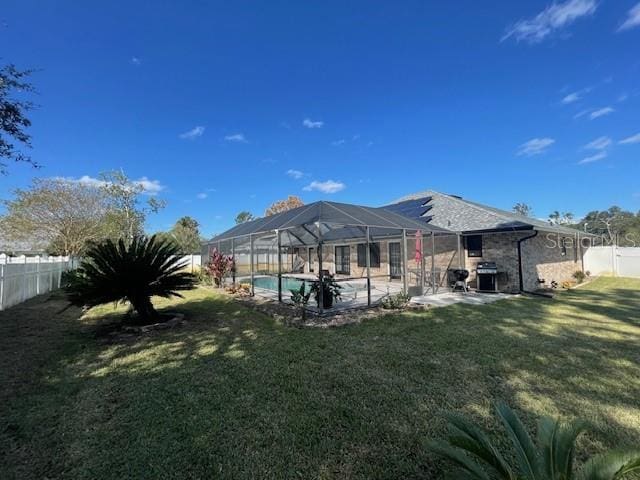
x: 356, y: 297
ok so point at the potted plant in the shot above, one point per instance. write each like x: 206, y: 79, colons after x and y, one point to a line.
x: 330, y: 291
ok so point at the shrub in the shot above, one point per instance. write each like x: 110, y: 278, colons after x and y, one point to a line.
x: 218, y: 266
x: 392, y: 302
x: 300, y: 299
x: 579, y: 275
x: 117, y: 272
x: 550, y: 458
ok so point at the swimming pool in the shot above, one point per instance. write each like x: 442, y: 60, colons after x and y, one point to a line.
x: 289, y: 283
x: 271, y: 283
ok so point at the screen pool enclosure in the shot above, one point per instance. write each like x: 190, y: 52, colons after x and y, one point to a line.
x: 362, y: 253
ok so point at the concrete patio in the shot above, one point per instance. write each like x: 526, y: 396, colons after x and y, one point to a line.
x: 444, y: 299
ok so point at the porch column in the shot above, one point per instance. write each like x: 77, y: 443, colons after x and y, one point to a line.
x: 433, y: 263
x: 423, y: 266
x: 279, y: 266
x: 320, y: 274
x: 404, y: 261
x: 251, y: 262
x: 233, y: 254
x: 368, y: 256
x: 321, y: 279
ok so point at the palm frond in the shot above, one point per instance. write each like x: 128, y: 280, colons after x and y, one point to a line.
x: 457, y: 456
x: 526, y: 453
x: 616, y: 465
x: 473, y: 440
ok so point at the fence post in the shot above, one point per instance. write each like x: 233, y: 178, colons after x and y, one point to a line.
x: 25, y: 281
x: 38, y: 275
x: 1, y: 286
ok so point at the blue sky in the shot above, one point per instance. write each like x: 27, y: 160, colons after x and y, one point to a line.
x: 229, y: 106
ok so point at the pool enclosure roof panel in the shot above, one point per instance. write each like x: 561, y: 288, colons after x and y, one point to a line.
x: 328, y: 216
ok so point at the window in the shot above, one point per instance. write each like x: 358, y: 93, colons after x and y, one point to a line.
x: 474, y: 245
x: 374, y: 255
x: 343, y: 264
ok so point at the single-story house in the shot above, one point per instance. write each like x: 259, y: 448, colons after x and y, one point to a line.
x: 414, y: 244
x: 528, y: 252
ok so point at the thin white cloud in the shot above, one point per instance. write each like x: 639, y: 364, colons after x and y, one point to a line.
x: 134, y: 61
x: 202, y: 196
x: 337, y: 143
x: 599, y: 143
x: 236, y: 137
x: 581, y: 113
x: 150, y: 187
x: 623, y: 97
x: 328, y: 186
x: 192, y: 134
x: 593, y: 158
x: 572, y: 97
x: 632, y: 139
x: 307, y: 122
x: 601, y: 112
x: 632, y: 20
x: 551, y: 19
x: 535, y: 146
x: 296, y: 174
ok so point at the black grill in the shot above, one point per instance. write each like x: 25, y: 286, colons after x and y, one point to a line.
x: 487, y: 273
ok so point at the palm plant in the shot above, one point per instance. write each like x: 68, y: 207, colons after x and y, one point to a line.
x: 119, y: 272
x: 552, y: 458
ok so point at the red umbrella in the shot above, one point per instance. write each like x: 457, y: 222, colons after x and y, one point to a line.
x: 418, y: 256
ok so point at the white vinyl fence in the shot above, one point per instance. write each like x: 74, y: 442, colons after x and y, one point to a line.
x: 24, y: 277
x: 192, y: 262
x: 613, y: 260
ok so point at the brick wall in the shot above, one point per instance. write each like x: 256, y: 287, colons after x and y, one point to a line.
x: 542, y: 258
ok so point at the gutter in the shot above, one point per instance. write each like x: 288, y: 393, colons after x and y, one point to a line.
x: 521, y: 279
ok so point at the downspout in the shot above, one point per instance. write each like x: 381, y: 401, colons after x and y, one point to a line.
x: 521, y: 279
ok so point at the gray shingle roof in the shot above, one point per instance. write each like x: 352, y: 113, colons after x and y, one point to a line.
x: 461, y: 215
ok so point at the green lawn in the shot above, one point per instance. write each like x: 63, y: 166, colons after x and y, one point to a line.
x: 233, y: 394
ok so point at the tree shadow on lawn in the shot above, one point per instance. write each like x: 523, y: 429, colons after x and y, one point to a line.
x: 234, y: 394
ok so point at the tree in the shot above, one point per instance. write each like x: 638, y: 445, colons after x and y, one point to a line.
x: 614, y: 224
x: 523, y: 209
x: 552, y: 458
x: 283, y: 205
x: 558, y: 218
x: 131, y: 272
x: 13, y: 119
x: 127, y: 211
x: 62, y: 214
x: 244, y: 217
x: 186, y: 234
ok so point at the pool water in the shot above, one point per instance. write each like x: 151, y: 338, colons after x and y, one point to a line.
x: 271, y: 283
x: 288, y: 283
